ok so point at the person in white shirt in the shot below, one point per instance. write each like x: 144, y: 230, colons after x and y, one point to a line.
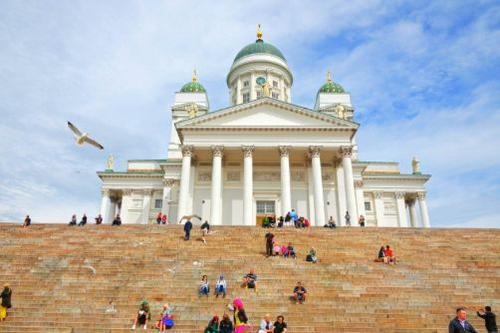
x: 220, y: 287
x: 266, y: 325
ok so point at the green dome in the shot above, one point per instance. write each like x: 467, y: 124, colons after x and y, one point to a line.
x: 332, y: 87
x: 259, y: 47
x: 192, y: 87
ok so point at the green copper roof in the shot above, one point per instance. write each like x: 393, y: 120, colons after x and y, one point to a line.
x: 193, y: 87
x: 332, y: 87
x: 259, y: 47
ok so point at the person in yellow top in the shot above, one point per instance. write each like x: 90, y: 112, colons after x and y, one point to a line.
x: 6, y: 301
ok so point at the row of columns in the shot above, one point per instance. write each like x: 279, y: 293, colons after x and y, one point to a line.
x: 403, y: 206
x: 286, y: 202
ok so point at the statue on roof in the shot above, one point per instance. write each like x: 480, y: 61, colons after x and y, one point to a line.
x: 415, y: 164
x: 110, y: 163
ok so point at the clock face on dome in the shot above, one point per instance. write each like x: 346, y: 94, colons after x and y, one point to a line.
x: 260, y: 81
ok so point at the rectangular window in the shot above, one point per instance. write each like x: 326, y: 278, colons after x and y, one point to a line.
x: 158, y: 203
x: 259, y: 94
x: 276, y: 95
x: 246, y: 83
x: 368, y: 205
x: 265, y: 207
x: 275, y: 84
x: 246, y: 97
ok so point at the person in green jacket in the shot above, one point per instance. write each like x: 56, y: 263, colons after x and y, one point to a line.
x: 213, y: 325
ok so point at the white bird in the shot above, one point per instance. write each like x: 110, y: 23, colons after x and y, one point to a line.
x: 82, y: 138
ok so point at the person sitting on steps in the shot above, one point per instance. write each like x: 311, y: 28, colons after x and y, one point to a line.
x: 204, y: 288
x: 158, y: 218
x: 83, y: 221
x: 117, y: 220
x: 299, y: 293
x: 311, y: 257
x: 389, y: 258
x: 27, y: 221
x: 143, y: 315
x: 73, y: 220
x: 290, y: 251
x: 164, y: 219
x: 98, y: 219
x: 220, y: 287
x: 280, y: 325
x: 381, y: 255
x: 266, y: 325
x: 331, y: 223
x: 250, y: 280
x: 166, y: 321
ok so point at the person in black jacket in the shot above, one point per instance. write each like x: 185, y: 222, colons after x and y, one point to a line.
x: 83, y: 221
x: 6, y: 301
x: 459, y: 324
x: 27, y: 221
x: 225, y: 325
x: 187, y: 229
x: 489, y: 319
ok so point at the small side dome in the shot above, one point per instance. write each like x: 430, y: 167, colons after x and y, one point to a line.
x: 330, y: 86
x: 193, y: 86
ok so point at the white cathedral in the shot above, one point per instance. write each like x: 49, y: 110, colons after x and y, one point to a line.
x: 263, y: 155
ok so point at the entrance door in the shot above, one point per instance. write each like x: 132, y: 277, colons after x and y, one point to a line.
x: 265, y: 207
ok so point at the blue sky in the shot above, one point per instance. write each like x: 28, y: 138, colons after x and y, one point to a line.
x: 424, y: 79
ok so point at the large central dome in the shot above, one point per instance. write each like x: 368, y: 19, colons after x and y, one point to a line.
x: 259, y: 47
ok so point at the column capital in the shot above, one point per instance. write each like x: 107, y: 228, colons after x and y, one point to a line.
x: 284, y: 150
x: 378, y: 194
x: 345, y: 151
x: 247, y: 150
x: 314, y: 151
x: 169, y: 182
x: 217, y: 151
x: 399, y: 195
x: 358, y: 183
x: 187, y: 150
x: 105, y: 192
x: 421, y: 195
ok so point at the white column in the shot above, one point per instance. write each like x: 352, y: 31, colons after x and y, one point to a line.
x: 187, y: 152
x: 424, y: 213
x: 146, y: 206
x: 286, y: 196
x: 400, y: 204
x: 239, y: 96
x: 379, y: 208
x: 105, y: 206
x: 340, y: 189
x: 282, y: 93
x: 248, y: 218
x: 167, y: 195
x: 413, y: 214
x: 253, y: 93
x: 310, y: 194
x: 319, y: 203
x: 360, y: 199
x: 346, y: 153
x: 216, y: 197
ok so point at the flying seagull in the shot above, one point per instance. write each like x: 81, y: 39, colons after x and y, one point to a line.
x: 82, y: 138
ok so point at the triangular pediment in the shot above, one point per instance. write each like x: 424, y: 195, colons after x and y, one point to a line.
x: 266, y: 113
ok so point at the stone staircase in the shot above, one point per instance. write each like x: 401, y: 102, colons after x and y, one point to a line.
x: 63, y: 277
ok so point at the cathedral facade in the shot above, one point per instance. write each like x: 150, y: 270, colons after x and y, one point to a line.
x: 264, y: 155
